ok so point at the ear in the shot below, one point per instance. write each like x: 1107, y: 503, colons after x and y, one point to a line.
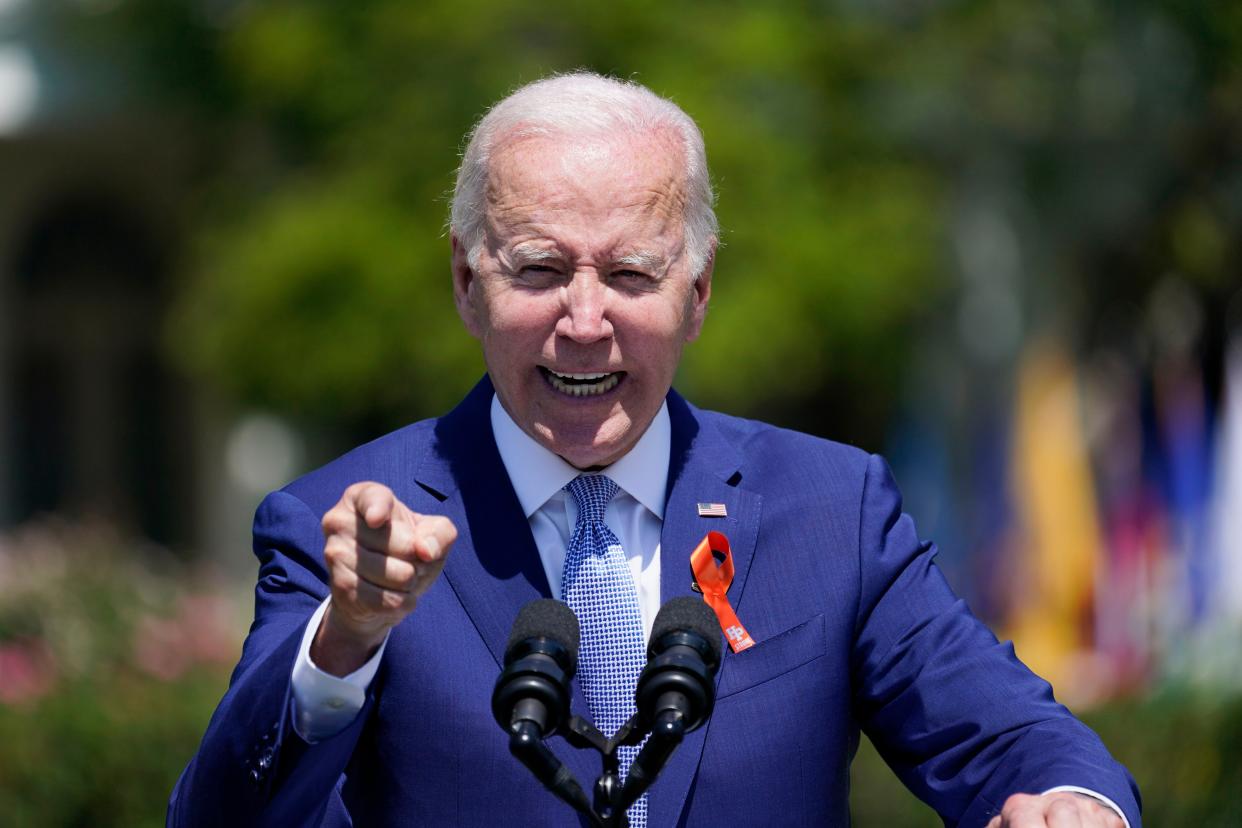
x: 464, y: 286
x: 700, y: 293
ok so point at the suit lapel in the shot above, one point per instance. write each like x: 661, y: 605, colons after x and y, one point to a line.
x: 703, y: 468
x: 495, y: 568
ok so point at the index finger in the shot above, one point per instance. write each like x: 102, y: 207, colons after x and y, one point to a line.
x: 374, y: 504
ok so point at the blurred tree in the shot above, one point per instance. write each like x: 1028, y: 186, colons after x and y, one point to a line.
x: 855, y: 146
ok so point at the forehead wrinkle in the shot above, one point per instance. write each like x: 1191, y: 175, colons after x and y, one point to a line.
x: 536, y: 199
x: 576, y: 162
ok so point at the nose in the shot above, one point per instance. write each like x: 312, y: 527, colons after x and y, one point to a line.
x: 584, y: 315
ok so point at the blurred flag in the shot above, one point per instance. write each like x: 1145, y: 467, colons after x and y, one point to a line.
x: 1185, y: 435
x: 990, y: 510
x: 919, y: 453
x: 1058, y: 543
x: 1133, y: 517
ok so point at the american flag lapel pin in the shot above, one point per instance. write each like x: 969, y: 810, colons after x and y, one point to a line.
x: 713, y: 510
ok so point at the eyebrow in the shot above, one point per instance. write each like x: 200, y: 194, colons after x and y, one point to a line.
x: 531, y: 252
x: 644, y: 260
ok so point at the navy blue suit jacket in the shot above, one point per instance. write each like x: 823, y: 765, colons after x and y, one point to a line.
x: 854, y: 626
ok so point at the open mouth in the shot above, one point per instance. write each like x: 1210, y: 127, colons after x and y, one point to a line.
x: 582, y: 385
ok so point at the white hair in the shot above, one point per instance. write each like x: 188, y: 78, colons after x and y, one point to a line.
x: 576, y: 104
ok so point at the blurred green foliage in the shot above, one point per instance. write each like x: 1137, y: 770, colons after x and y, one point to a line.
x: 846, y: 138
x: 103, y: 752
x: 1183, y: 746
x: 342, y: 269
x: 112, y: 657
x: 1185, y: 749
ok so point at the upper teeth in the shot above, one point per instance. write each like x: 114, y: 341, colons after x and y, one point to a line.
x: 578, y: 376
x: 582, y: 385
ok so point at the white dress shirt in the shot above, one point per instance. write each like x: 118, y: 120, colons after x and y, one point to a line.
x: 635, y: 514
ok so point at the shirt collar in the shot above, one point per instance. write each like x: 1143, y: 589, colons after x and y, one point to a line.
x: 537, y: 474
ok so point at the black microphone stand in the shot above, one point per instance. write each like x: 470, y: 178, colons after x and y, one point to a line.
x: 526, y: 744
x: 612, y: 798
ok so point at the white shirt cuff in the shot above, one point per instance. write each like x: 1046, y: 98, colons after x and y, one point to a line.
x: 324, y: 704
x: 1088, y: 792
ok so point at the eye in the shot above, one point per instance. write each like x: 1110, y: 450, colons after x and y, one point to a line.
x: 630, y: 279
x: 538, y: 274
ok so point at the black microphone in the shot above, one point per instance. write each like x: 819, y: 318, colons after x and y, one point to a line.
x: 540, y: 660
x: 682, y: 660
x: 677, y: 688
x: 531, y: 697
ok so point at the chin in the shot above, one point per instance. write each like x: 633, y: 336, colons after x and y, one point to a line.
x: 573, y: 438
x: 588, y: 455
x: 583, y: 456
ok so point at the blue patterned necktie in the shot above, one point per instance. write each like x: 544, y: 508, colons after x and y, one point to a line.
x: 599, y: 588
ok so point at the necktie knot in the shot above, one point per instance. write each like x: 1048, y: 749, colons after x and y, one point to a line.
x: 591, y: 492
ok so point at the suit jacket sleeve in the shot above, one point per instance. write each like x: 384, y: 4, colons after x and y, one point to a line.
x: 954, y: 712
x: 252, y: 767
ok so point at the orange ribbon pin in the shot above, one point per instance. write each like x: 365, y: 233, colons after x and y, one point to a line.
x: 714, y: 580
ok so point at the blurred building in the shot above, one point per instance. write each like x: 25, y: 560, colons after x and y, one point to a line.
x: 94, y: 422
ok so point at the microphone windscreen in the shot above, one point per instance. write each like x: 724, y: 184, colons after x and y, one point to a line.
x: 546, y: 618
x: 688, y: 614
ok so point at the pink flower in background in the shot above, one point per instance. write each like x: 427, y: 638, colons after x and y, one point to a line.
x: 160, y: 649
x: 211, y: 628
x: 27, y: 672
x: 202, y: 631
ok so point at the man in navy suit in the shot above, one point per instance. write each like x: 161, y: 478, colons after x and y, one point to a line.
x: 583, y: 240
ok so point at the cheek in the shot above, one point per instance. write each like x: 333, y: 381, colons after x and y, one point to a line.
x: 521, y: 322
x: 659, y: 324
x: 516, y: 321
x: 655, y: 349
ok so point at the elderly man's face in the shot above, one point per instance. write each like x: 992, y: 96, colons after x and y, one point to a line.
x: 583, y: 295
